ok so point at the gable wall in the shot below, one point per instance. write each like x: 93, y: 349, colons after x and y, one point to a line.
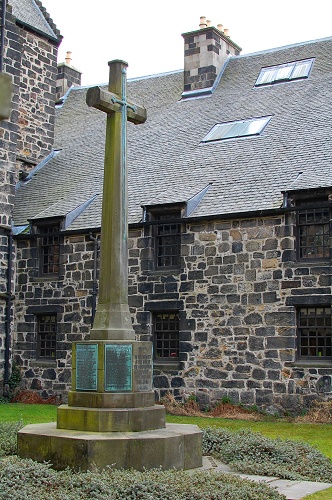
x: 30, y: 60
x: 235, y: 296
x: 37, y: 97
x: 8, y: 145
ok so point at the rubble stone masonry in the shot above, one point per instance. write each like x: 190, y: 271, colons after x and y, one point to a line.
x: 37, y: 97
x: 236, y: 293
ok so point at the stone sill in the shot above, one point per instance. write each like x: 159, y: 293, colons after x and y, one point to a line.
x: 311, y: 364
x: 43, y: 363
x: 161, y: 272
x: 164, y: 365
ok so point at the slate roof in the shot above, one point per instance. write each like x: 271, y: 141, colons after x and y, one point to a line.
x: 31, y: 13
x: 167, y: 161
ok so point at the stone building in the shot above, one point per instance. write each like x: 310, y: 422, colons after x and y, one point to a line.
x: 230, y: 190
x: 29, y: 58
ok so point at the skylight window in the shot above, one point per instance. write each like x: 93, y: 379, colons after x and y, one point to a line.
x: 284, y: 72
x: 242, y: 128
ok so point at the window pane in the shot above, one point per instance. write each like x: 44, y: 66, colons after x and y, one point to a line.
x: 314, y: 233
x: 266, y: 76
x: 314, y: 332
x: 284, y: 72
x: 221, y: 131
x: 255, y: 126
x: 166, y: 335
x: 49, y: 250
x: 235, y: 130
x: 46, y: 336
x: 218, y: 132
x: 301, y: 69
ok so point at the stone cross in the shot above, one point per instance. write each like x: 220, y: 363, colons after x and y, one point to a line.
x: 112, y: 320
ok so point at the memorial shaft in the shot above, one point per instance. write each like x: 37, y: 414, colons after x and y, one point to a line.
x: 112, y: 320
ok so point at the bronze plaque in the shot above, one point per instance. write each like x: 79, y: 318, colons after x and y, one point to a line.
x: 86, y: 367
x: 118, y: 367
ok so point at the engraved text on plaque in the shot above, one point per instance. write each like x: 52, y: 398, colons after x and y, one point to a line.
x: 86, y: 367
x: 118, y: 367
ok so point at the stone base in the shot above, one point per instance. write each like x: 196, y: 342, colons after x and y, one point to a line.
x: 111, y: 419
x: 177, y: 446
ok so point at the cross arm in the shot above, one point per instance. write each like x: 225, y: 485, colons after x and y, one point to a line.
x: 106, y: 101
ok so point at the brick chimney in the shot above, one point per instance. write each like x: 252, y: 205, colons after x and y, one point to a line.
x: 205, y: 52
x: 67, y: 76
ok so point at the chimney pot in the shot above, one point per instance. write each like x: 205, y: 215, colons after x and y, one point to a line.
x: 68, y: 58
x: 202, y: 22
x: 208, y: 23
x: 226, y: 32
x: 220, y: 27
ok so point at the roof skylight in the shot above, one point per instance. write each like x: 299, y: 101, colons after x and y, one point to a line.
x: 242, y: 128
x: 284, y: 72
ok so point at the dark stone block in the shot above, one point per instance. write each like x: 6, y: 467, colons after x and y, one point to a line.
x: 160, y: 382
x: 280, y: 342
x: 215, y: 374
x: 264, y: 397
x: 237, y: 246
x: 36, y: 384
x: 201, y: 336
x: 135, y: 301
x: 177, y: 382
x: 258, y: 374
x: 253, y: 319
x: 308, y: 300
x: 280, y: 318
x: 49, y: 374
x: 256, y: 343
x: 185, y: 346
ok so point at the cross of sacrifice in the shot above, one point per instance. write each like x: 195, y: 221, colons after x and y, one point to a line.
x: 112, y: 319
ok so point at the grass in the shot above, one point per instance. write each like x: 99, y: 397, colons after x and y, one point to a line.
x: 318, y: 435
x: 29, y: 414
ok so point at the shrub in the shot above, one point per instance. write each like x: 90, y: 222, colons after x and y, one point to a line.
x: 252, y: 453
x: 30, y: 480
x: 8, y: 437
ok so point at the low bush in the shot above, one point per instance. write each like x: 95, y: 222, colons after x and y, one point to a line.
x: 30, y: 480
x: 8, y: 437
x: 252, y: 453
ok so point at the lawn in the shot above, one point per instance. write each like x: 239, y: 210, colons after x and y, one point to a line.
x: 318, y: 435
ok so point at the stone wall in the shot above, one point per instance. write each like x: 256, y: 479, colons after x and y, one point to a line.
x: 37, y: 96
x: 236, y: 295
x: 8, y: 143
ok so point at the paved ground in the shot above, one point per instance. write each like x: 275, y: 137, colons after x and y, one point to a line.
x: 293, y: 490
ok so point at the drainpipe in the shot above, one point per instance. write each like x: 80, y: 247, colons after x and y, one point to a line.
x: 2, y: 36
x: 8, y: 297
x: 95, y: 240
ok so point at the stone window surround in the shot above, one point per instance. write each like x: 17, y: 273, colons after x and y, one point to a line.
x: 169, y: 343
x: 170, y: 306
x: 39, y: 311
x: 303, y: 323
x: 303, y: 227
x: 37, y: 230
x: 47, y: 328
x: 151, y: 223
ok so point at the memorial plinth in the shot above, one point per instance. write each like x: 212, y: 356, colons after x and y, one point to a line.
x: 111, y: 418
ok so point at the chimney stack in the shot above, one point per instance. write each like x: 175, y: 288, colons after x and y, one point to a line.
x: 205, y: 52
x: 67, y: 76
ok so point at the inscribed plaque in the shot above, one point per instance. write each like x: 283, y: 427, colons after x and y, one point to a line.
x: 118, y: 366
x: 143, y: 370
x: 86, y: 367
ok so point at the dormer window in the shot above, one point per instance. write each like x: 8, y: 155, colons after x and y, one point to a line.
x: 241, y: 128
x: 295, y: 70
